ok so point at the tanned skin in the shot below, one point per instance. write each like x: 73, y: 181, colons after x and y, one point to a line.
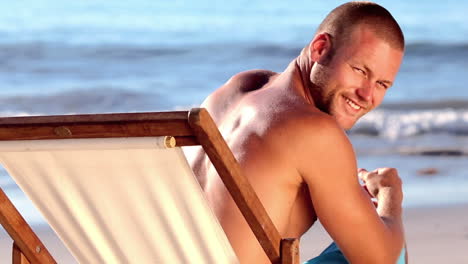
x: 287, y: 132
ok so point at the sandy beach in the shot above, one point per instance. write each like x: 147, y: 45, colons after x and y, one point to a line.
x: 433, y: 234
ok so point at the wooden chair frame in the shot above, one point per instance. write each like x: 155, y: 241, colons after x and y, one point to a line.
x: 190, y: 128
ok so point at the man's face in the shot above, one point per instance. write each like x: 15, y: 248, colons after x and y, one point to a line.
x: 356, y: 78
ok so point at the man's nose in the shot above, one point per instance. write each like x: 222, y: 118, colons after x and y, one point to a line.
x: 366, y: 91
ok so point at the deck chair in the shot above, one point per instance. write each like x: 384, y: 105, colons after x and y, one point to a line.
x: 116, y: 188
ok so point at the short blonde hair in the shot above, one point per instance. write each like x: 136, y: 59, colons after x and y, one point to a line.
x: 340, y: 22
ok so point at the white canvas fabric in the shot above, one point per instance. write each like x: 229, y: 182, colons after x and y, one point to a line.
x: 121, y: 200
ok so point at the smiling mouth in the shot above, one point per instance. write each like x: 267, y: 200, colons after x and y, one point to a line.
x: 351, y: 103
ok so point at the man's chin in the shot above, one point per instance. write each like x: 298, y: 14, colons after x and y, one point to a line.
x: 346, y: 124
x: 345, y: 120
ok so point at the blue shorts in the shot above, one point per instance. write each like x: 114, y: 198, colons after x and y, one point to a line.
x: 332, y: 255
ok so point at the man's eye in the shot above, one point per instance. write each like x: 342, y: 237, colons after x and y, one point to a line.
x: 360, y: 70
x: 383, y: 85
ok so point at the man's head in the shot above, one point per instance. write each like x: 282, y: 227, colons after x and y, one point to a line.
x: 356, y: 53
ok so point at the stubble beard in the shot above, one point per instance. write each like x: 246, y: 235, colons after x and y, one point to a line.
x: 323, y: 94
x: 327, y: 98
x: 330, y: 104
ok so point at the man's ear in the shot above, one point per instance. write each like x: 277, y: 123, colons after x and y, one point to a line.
x: 320, y: 46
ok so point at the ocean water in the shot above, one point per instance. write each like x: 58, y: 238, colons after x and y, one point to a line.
x: 61, y: 57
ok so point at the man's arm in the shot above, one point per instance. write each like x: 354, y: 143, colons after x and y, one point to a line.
x: 328, y: 165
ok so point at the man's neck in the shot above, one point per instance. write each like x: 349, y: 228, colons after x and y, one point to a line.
x: 301, y: 77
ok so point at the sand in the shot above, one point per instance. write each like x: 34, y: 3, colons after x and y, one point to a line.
x: 433, y: 234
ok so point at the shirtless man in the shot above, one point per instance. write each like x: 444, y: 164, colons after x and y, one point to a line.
x: 286, y: 131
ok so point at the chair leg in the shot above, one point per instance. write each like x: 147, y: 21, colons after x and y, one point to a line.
x: 290, y: 251
x: 18, y: 257
x: 25, y: 238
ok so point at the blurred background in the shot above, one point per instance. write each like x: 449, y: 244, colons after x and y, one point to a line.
x: 96, y: 56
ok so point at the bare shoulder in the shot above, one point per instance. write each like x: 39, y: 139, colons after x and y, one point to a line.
x: 250, y: 80
x: 246, y: 81
x: 230, y: 93
x: 308, y: 127
x: 328, y: 145
x: 315, y: 143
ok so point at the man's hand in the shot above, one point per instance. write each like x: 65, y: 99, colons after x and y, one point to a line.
x: 380, y: 181
x: 385, y: 185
